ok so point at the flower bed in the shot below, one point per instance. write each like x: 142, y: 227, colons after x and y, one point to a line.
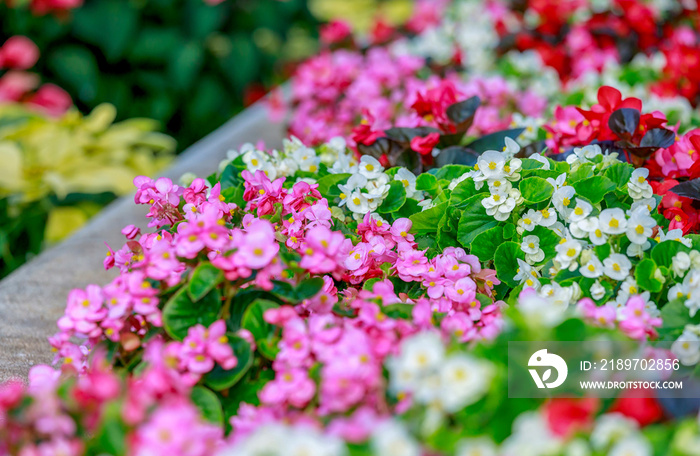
x: 355, y: 295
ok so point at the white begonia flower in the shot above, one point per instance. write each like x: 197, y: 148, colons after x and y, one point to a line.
x: 512, y: 169
x: 291, y: 144
x: 391, y: 438
x: 479, y: 446
x: 499, y: 207
x: 567, y: 254
x: 426, y: 204
x: 357, y: 203
x: 408, y: 179
x: 638, y: 187
x: 636, y: 445
x: 531, y: 247
x: 422, y: 353
x: 559, y: 182
x: 593, y: 268
x: 500, y: 186
x: 648, y: 203
x: 548, y: 217
x: 584, y: 227
x: 463, y: 381
x: 306, y: 159
x: 637, y: 250
x: 613, y: 221
x: 527, y: 275
x: 369, y: 167
x: 687, y: 346
x: 640, y: 226
x: 677, y: 291
x: 530, y: 220
x: 561, y: 200
x: 378, y: 187
x: 510, y: 148
x: 695, y: 259
x: 617, y: 266
x: 581, y: 210
x: 680, y: 263
x: 611, y: 428
x: 673, y: 235
x: 545, y: 163
x: 597, y: 237
x: 255, y: 160
x: 584, y: 154
x: 597, y: 291
x: 491, y: 164
x: 540, y: 310
x: 298, y: 441
x: 455, y: 182
x: 691, y: 283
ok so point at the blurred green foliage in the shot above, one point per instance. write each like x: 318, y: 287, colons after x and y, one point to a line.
x: 185, y: 63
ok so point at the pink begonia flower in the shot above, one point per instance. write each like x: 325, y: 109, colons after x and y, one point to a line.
x: 258, y: 246
x: 459, y: 325
x: 131, y: 232
x: 18, y: 53
x: 357, y: 427
x: 290, y: 386
x: 46, y: 6
x: 635, y: 320
x: 176, y: 429
x: 325, y: 250
x: 52, y: 99
x: 335, y: 31
x: 15, y: 84
x: 83, y: 311
x: 462, y: 291
x: 401, y: 230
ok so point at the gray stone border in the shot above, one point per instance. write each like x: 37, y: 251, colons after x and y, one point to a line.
x: 33, y: 297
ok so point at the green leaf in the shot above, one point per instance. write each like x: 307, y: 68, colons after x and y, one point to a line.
x: 594, y: 188
x: 234, y: 195
x: 309, y: 288
x: 474, y: 221
x: 204, y: 278
x: 180, y: 313
x: 645, y: 274
x: 263, y: 332
x: 486, y: 243
x: 494, y: 141
x: 619, y: 173
x: 185, y: 65
x: 219, y: 378
x: 76, y: 70
x: 109, y: 24
x: 548, y: 241
x: 582, y: 172
x: 664, y: 252
x: 328, y: 184
x: 155, y: 44
x: 508, y: 231
x: 506, y: 262
x: 536, y: 190
x: 394, y: 199
x: 427, y: 182
x: 462, y: 192
x: 450, y: 172
x: 110, y: 437
x: 399, y: 311
x: 208, y: 404
x: 427, y: 221
x: 676, y: 316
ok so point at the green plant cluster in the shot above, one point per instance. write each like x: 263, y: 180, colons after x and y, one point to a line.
x: 185, y: 63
